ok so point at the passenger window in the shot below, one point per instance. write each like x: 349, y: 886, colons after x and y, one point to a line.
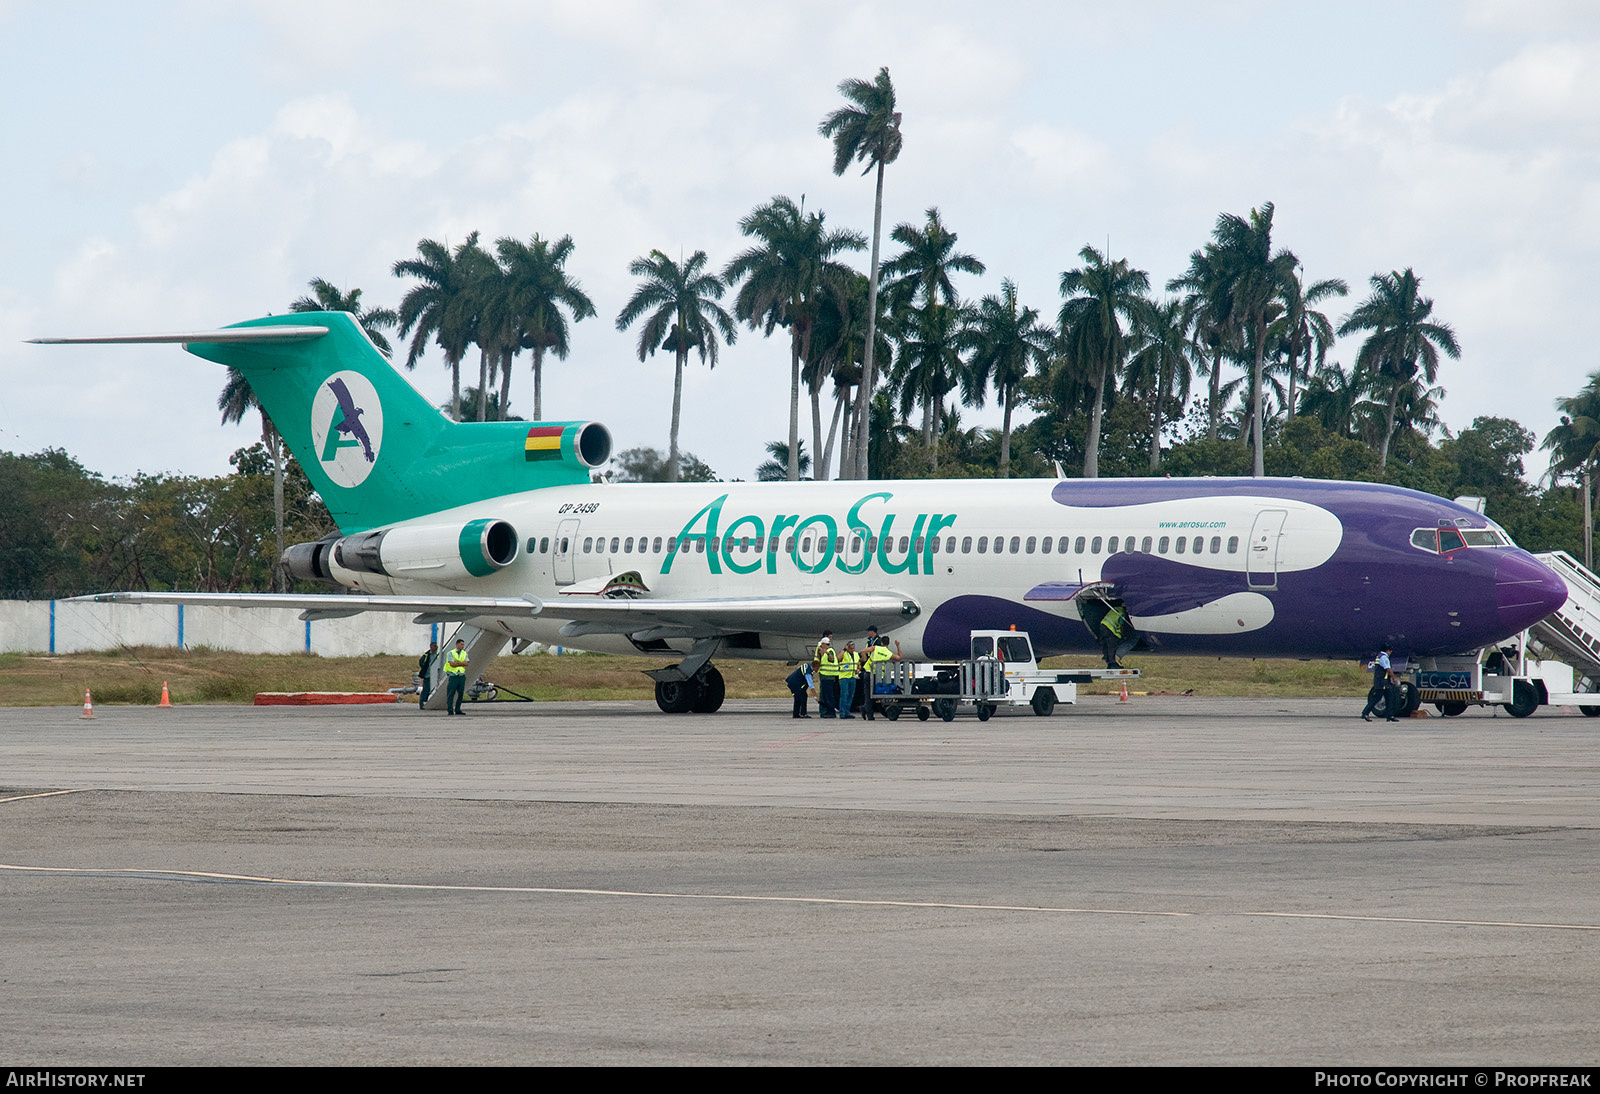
x: 933, y: 545
x: 656, y: 546
x: 918, y: 545
x: 789, y: 545
x: 760, y: 544
x: 700, y: 545
x: 1145, y: 546
x: 1045, y: 544
x: 805, y: 545
x: 1016, y: 545
x: 565, y: 544
x: 1161, y: 547
x: 1216, y: 545
x: 531, y: 544
x: 1111, y: 546
x: 905, y: 544
x: 1079, y: 547
x: 872, y: 544
x: 1233, y: 545
x: 983, y: 544
x: 1178, y: 547
x: 950, y: 545
x: 966, y: 545
x: 588, y: 544
x: 1061, y: 547
x: 1094, y: 546
x: 1031, y: 544
x: 627, y: 546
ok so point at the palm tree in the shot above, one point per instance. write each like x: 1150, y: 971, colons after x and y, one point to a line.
x: 1100, y: 295
x: 683, y: 315
x: 1257, y: 277
x: 440, y: 306
x: 327, y: 297
x: 1306, y: 330
x: 918, y: 285
x: 1402, y: 338
x: 868, y: 130
x: 1006, y: 342
x: 1575, y: 450
x: 1208, y: 307
x: 776, y: 467
x: 783, y: 280
x: 1331, y: 396
x: 539, y: 288
x: 838, y: 346
x: 237, y: 400
x: 1163, y: 359
x: 929, y: 366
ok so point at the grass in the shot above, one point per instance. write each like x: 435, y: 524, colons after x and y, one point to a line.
x: 134, y: 675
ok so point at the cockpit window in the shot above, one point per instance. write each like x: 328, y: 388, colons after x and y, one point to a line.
x: 1445, y: 540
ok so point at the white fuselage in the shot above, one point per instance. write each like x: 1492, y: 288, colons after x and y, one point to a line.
x: 926, y: 541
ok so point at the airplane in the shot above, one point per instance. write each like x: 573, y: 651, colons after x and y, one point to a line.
x: 498, y: 526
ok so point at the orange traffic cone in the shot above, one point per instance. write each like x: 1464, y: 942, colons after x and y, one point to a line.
x: 1124, y: 698
x: 165, y: 700
x: 88, y: 705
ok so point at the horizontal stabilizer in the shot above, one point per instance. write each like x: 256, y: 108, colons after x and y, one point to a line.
x: 336, y: 605
x: 257, y: 335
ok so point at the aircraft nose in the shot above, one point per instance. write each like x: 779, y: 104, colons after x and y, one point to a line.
x: 1526, y: 590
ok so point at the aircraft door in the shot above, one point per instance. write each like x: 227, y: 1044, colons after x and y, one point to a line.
x: 565, y: 547
x: 1261, y: 562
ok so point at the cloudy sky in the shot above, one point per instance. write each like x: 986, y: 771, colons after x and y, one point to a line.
x: 174, y: 166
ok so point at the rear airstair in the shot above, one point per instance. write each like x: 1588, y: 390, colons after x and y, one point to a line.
x: 1572, y: 633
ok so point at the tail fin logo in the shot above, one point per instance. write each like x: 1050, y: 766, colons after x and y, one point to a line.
x: 347, y: 427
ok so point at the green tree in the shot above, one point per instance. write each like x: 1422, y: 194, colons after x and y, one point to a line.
x: 441, y: 306
x: 1403, y: 338
x: 929, y: 366
x: 1007, y: 343
x: 683, y: 315
x: 1574, y: 447
x: 1161, y: 365
x: 867, y: 130
x: 538, y: 289
x: 782, y: 280
x: 1214, y: 329
x: 1256, y: 278
x: 237, y: 400
x: 1100, y: 296
x: 1306, y: 331
x: 326, y: 296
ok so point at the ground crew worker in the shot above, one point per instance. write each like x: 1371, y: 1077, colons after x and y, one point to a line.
x: 877, y: 654
x: 1384, y: 689
x: 827, y: 676
x: 425, y: 670
x: 849, y: 668
x: 1113, y: 629
x: 455, y: 676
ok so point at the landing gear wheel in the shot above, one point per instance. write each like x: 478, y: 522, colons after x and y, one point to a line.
x: 922, y: 712
x: 1524, y: 700
x: 891, y: 711
x: 676, y: 696
x: 1456, y: 708
x: 1410, y: 699
x: 985, y: 711
x: 711, y: 691
x: 1044, y: 701
x: 945, y: 709
x: 1590, y: 712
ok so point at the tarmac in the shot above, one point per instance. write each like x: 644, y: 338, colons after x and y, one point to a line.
x: 1169, y: 880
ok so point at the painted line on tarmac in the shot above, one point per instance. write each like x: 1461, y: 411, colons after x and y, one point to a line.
x: 402, y: 886
x: 46, y: 794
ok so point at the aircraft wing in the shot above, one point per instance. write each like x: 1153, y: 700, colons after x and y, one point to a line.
x: 644, y: 618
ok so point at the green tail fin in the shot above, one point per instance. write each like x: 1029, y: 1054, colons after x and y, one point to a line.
x: 373, y: 447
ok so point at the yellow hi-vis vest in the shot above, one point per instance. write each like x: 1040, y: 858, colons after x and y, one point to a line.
x: 849, y: 663
x: 828, y: 662
x: 455, y: 663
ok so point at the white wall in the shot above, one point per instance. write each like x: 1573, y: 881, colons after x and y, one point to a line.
x: 25, y: 626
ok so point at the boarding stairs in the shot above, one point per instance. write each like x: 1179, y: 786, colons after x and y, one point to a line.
x: 1572, y: 632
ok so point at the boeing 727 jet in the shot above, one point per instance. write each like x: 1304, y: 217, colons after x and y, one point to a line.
x: 497, y: 526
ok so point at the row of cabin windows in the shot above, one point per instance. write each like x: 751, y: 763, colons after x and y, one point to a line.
x: 1016, y: 545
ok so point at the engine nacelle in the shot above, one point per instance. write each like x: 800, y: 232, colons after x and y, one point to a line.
x: 428, y: 552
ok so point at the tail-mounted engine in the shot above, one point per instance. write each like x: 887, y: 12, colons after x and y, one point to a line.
x: 429, y: 552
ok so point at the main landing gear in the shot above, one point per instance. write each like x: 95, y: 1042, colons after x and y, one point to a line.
x: 701, y: 693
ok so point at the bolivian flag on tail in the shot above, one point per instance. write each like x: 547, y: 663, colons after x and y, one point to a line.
x: 544, y: 442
